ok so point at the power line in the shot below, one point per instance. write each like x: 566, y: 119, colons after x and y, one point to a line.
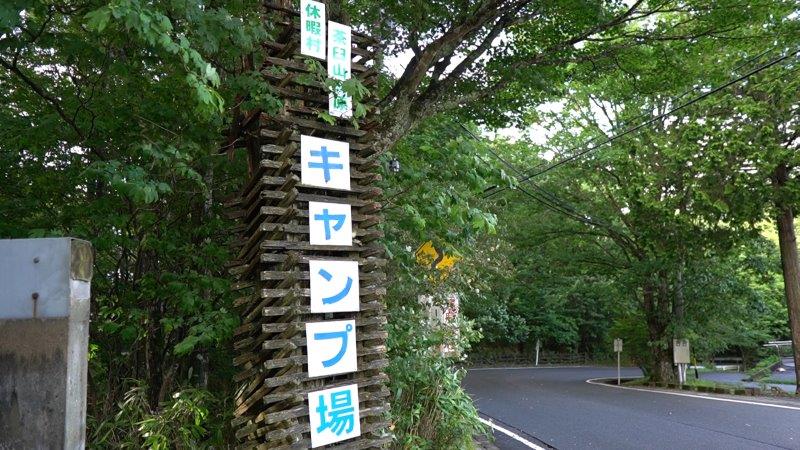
x: 745, y: 63
x: 653, y: 119
x: 547, y: 198
x: 670, y: 112
x: 553, y: 202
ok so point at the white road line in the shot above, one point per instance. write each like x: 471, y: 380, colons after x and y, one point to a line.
x: 512, y: 435
x: 528, y: 367
x: 682, y: 394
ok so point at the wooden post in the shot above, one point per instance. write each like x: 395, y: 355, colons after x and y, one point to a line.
x: 273, y: 253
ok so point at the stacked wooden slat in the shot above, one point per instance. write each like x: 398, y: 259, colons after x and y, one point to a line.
x: 273, y: 250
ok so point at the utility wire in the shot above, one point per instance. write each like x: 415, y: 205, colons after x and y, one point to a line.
x: 547, y: 198
x: 551, y: 201
x: 652, y: 120
x: 642, y: 116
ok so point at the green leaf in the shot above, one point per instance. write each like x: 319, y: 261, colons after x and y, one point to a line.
x: 98, y: 19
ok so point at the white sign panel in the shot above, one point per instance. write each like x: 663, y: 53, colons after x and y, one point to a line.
x: 330, y: 224
x: 312, y: 28
x: 324, y: 163
x: 617, y: 345
x: 334, y: 286
x: 331, y: 347
x: 339, y: 68
x: 680, y: 351
x: 333, y: 415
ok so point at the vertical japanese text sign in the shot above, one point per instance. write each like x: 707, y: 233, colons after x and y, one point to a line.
x: 312, y: 28
x: 334, y: 286
x: 339, y: 66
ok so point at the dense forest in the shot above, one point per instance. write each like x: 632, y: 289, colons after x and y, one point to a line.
x: 601, y: 168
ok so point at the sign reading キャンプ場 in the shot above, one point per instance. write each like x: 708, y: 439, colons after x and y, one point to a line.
x: 311, y: 347
x: 334, y: 287
x: 312, y: 28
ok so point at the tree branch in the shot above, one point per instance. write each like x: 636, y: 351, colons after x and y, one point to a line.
x: 54, y: 102
x: 420, y: 64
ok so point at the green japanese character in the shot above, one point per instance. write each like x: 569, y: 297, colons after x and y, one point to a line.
x: 340, y: 37
x: 341, y: 100
x: 313, y: 44
x: 313, y: 27
x: 340, y: 103
x: 339, y: 72
x: 312, y: 11
x: 338, y: 53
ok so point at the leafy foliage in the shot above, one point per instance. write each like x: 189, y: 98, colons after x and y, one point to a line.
x: 433, y: 197
x: 113, y: 115
x: 179, y: 424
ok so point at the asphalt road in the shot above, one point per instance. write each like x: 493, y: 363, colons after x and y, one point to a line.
x: 557, y: 407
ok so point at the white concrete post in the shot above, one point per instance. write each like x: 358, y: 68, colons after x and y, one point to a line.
x: 44, y: 334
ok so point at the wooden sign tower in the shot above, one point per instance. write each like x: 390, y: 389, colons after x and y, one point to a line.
x: 279, y: 264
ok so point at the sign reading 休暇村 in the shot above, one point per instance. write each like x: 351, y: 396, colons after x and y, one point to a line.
x: 312, y: 28
x: 339, y: 66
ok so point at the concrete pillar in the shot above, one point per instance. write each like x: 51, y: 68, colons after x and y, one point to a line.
x: 44, y: 339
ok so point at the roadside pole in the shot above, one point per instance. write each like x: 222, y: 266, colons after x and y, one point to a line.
x: 618, y: 350
x: 537, y: 352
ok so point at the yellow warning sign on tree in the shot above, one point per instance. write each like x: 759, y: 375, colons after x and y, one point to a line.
x: 430, y: 256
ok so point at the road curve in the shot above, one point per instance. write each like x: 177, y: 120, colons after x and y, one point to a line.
x: 557, y: 407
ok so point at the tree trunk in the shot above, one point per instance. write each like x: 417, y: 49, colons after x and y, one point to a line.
x: 791, y: 278
x: 679, y: 306
x: 660, y: 364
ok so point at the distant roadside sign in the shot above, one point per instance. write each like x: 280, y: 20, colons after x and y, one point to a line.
x: 680, y: 351
x: 618, y: 351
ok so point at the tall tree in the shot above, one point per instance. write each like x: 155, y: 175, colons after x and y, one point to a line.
x: 494, y: 61
x: 766, y: 142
